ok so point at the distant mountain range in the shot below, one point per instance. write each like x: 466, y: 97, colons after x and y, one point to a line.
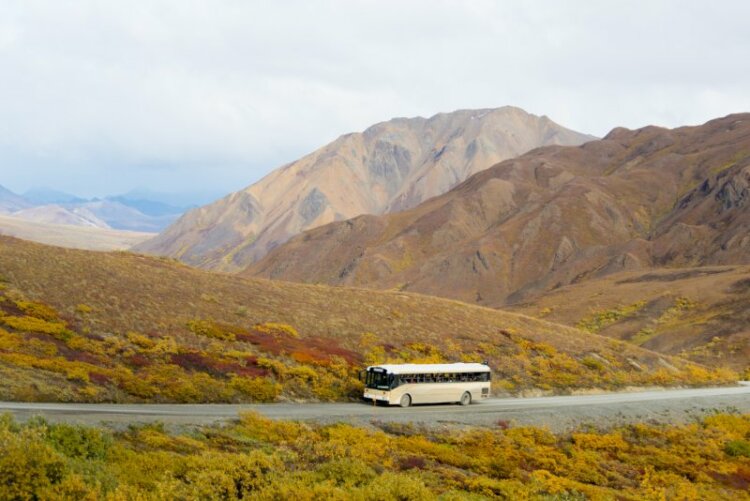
x: 10, y: 202
x: 391, y: 166
x: 134, y: 211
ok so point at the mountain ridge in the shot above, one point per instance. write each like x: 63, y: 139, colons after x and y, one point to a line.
x: 390, y: 166
x: 553, y: 216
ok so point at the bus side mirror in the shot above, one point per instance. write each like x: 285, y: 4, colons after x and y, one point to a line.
x: 361, y: 375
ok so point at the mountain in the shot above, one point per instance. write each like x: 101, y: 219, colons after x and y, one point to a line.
x: 700, y: 313
x: 634, y: 200
x: 389, y: 167
x: 183, y: 200
x: 10, y: 202
x: 55, y: 214
x: 148, y: 207
x: 76, y: 237
x: 124, y: 217
x: 49, y: 196
x: 96, y: 326
x: 135, y: 211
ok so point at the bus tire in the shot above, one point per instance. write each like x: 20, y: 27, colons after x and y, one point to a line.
x: 466, y: 398
x: 405, y: 401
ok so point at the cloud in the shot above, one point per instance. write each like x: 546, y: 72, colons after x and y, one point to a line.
x: 102, y: 96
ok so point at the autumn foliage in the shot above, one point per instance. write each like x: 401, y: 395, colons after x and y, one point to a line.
x: 257, y: 458
x: 47, y: 356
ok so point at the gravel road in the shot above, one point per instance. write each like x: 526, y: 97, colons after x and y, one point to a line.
x: 558, y: 413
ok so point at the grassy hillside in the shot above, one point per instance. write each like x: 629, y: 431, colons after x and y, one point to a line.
x: 89, y: 326
x: 257, y: 458
x: 700, y: 313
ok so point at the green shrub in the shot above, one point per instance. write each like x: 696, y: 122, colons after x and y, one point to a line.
x: 78, y: 441
x: 28, y: 465
x: 738, y: 448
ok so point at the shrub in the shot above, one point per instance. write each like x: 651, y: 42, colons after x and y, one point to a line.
x: 738, y: 448
x: 28, y: 465
x: 78, y: 441
x: 210, y: 329
x: 38, y: 310
x: 140, y: 340
x: 255, y: 388
x: 277, y: 329
x: 348, y: 472
x: 33, y: 324
x: 83, y: 309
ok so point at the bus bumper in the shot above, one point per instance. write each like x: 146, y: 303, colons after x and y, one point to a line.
x: 376, y: 396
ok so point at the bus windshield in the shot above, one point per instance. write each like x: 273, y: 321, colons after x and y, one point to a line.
x: 379, y: 379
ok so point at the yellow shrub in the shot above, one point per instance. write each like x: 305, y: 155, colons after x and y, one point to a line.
x: 33, y: 324
x: 277, y: 329
x: 210, y: 329
x: 255, y: 388
x: 38, y: 310
x: 83, y: 309
x: 8, y: 341
x: 612, y: 442
x: 140, y: 340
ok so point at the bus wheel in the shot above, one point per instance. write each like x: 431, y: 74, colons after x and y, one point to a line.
x: 466, y: 398
x: 405, y: 401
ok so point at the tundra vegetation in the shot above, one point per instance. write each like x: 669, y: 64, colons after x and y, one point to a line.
x: 257, y: 458
x: 45, y: 356
x: 92, y: 327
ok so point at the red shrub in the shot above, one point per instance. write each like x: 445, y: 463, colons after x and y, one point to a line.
x: 250, y: 371
x: 138, y: 360
x: 317, y: 350
x: 411, y: 463
x: 81, y: 356
x: 193, y: 361
x: 98, y: 378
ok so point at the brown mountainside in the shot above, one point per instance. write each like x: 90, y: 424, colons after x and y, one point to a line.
x: 699, y: 313
x: 555, y: 216
x: 391, y: 166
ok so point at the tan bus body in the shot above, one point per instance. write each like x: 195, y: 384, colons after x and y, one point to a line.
x: 408, y: 384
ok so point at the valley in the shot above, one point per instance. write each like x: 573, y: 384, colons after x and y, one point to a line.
x: 72, y: 236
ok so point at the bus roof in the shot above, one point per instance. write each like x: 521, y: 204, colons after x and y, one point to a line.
x: 432, y: 368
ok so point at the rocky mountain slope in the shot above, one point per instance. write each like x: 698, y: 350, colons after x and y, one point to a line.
x: 555, y: 216
x: 93, y: 326
x: 391, y: 166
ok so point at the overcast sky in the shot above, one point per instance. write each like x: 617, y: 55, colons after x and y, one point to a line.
x: 98, y: 97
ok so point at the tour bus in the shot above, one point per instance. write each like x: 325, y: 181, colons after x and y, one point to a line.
x: 407, y: 384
